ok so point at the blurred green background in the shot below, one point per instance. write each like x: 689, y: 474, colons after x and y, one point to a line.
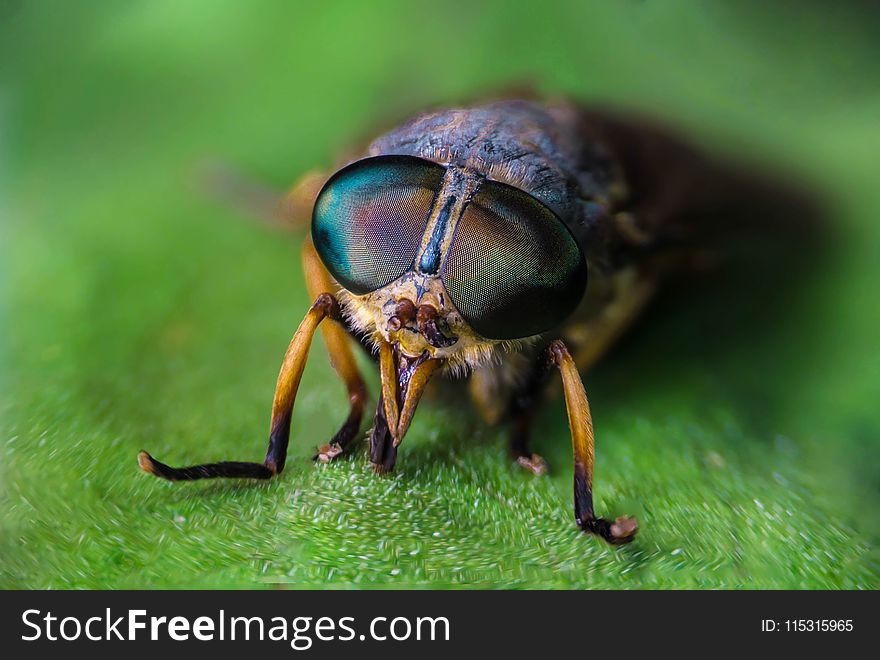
x: 138, y: 313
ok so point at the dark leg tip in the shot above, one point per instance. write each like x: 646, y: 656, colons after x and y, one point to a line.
x: 380, y: 468
x: 533, y: 463
x: 620, y: 532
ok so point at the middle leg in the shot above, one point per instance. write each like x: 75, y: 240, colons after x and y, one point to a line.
x: 342, y: 358
x: 523, y: 409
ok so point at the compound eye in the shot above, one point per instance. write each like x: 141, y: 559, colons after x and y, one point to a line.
x: 369, y: 218
x: 513, y: 270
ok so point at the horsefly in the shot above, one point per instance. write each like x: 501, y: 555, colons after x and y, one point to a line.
x: 489, y: 243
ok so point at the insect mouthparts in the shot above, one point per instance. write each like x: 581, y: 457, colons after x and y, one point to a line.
x: 426, y: 321
x: 425, y: 317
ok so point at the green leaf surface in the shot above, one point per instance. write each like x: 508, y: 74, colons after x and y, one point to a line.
x: 741, y: 428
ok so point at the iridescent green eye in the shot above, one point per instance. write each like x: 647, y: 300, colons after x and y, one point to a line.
x: 513, y: 269
x: 369, y: 218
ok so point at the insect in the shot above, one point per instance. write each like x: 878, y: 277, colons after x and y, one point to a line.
x: 491, y: 243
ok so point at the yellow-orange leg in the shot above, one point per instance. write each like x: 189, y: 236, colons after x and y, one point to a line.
x: 339, y: 349
x: 580, y: 422
x: 282, y: 407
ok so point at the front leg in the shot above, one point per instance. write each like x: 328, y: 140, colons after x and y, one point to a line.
x: 622, y: 530
x: 294, y: 212
x: 282, y: 408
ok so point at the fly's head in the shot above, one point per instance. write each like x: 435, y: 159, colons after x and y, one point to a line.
x: 441, y: 262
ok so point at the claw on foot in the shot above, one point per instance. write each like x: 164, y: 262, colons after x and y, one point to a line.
x: 623, y: 530
x: 534, y: 464
x: 328, y: 452
x: 620, y: 532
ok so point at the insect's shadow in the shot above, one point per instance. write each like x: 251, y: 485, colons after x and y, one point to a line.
x: 746, y: 332
x: 744, y: 321
x: 231, y: 489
